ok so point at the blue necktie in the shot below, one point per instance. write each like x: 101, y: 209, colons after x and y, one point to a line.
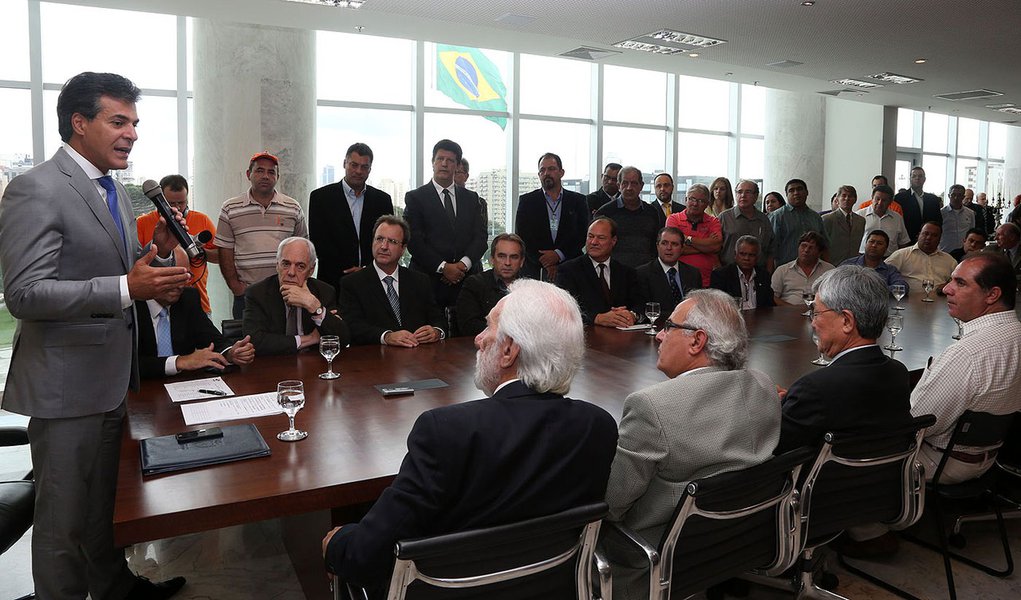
x: 111, y: 202
x: 675, y: 288
x: 164, y: 347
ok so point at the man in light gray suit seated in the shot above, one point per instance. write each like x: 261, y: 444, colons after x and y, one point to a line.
x: 711, y: 416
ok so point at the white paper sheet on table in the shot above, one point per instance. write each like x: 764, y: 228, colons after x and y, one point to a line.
x: 182, y: 391
x: 639, y: 327
x: 231, y: 409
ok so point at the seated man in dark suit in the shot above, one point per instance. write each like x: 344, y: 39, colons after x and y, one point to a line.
x: 386, y: 303
x: 606, y: 289
x: 665, y: 279
x: 744, y: 279
x: 524, y: 452
x: 481, y: 292
x: 289, y: 311
x: 191, y: 341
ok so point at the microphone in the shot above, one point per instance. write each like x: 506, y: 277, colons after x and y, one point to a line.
x: 154, y: 192
x: 203, y: 236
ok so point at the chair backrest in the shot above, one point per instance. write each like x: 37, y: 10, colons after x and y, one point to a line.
x: 859, y: 479
x: 231, y: 329
x: 1010, y: 452
x: 17, y: 498
x: 730, y: 523
x: 975, y: 429
x: 545, y: 557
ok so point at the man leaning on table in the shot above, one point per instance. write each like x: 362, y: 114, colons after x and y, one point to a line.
x: 523, y: 452
x: 290, y: 311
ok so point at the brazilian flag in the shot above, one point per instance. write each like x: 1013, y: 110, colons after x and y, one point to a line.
x: 467, y: 77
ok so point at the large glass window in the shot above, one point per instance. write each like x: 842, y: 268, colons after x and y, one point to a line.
x: 144, y: 48
x: 701, y: 158
x: 935, y: 134
x: 997, y: 141
x: 634, y: 95
x: 753, y: 110
x: 935, y: 174
x: 642, y: 148
x: 16, y: 141
x: 967, y: 172
x: 14, y: 40
x: 570, y: 141
x: 752, y: 161
x: 704, y: 104
x: 460, y: 77
x: 387, y: 132
x: 967, y: 137
x: 907, y: 133
x: 385, y: 68
x: 556, y: 87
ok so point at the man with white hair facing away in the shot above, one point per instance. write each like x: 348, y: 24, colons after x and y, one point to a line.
x: 524, y: 452
x: 663, y: 441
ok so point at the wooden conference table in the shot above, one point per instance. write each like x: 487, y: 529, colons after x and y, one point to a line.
x: 357, y: 438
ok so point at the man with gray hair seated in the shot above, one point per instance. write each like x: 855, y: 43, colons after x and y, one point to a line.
x: 523, y: 452
x: 663, y: 442
x: 289, y: 311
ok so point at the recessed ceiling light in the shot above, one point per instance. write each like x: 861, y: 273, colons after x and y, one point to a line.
x: 921, y: 61
x: 856, y: 83
x: 647, y: 47
x: 693, y: 54
x: 808, y: 3
x: 888, y: 77
x: 686, y: 39
x: 334, y: 3
x: 1011, y: 111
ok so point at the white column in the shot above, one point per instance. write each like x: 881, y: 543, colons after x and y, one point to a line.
x: 254, y: 91
x: 1012, y: 165
x: 795, y: 142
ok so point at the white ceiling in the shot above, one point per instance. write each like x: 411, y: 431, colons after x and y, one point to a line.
x: 969, y: 44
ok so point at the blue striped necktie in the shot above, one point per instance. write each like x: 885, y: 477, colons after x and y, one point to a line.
x: 164, y: 346
x: 111, y: 203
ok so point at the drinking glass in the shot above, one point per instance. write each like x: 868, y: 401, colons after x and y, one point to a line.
x: 894, y: 323
x: 928, y: 285
x: 291, y: 396
x: 329, y: 347
x: 898, y: 290
x: 809, y: 298
x: 822, y: 361
x: 960, y: 329
x: 652, y: 312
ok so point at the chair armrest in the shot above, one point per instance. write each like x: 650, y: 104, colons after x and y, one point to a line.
x: 13, y: 435
x: 602, y: 567
x: 630, y: 535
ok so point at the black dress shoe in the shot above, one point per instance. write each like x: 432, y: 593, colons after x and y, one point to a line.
x: 147, y: 590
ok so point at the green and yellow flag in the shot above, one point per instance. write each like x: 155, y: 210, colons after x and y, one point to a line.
x: 467, y: 77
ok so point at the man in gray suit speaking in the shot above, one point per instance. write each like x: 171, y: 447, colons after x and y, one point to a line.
x: 663, y: 443
x: 72, y: 268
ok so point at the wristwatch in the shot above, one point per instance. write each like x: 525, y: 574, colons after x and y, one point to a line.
x: 687, y: 240
x: 319, y: 311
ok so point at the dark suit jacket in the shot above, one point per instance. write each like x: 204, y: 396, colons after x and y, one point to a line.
x: 479, y: 295
x: 532, y: 224
x: 515, y: 456
x: 190, y: 328
x: 913, y: 219
x: 435, y: 240
x: 578, y: 277
x: 265, y: 317
x: 332, y: 229
x: 596, y: 199
x: 364, y: 305
x: 726, y: 279
x: 654, y: 287
x: 864, y: 390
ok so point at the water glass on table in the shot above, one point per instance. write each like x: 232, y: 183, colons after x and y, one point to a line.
x: 291, y: 397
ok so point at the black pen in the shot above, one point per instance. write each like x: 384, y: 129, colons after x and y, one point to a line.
x: 213, y: 392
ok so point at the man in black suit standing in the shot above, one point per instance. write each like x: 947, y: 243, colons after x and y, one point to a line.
x: 606, y: 289
x: 523, y: 452
x: 291, y: 310
x: 665, y: 279
x: 609, y: 190
x: 386, y: 303
x: 744, y: 279
x: 341, y: 216
x: 919, y: 207
x: 552, y: 221
x: 448, y: 236
x: 663, y: 184
x: 189, y: 341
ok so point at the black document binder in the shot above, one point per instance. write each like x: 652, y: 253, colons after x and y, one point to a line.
x: 164, y: 454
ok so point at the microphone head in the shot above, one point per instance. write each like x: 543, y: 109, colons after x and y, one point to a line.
x: 151, y: 189
x: 204, y: 236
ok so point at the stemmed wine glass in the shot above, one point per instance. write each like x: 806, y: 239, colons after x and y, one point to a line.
x: 928, y: 285
x: 898, y: 290
x: 809, y: 298
x: 822, y: 361
x: 894, y: 323
x: 291, y: 397
x: 960, y: 329
x: 329, y: 347
x: 652, y: 312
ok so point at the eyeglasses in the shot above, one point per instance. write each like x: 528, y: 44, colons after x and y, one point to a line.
x: 812, y: 313
x: 668, y: 325
x: 379, y: 239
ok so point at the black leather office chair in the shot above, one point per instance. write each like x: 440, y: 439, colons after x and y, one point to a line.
x: 855, y: 480
x: 548, y: 557
x: 723, y: 526
x: 231, y: 329
x: 17, y: 498
x: 974, y: 429
x: 1007, y: 485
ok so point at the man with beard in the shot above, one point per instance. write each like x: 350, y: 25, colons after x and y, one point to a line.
x: 523, y: 452
x: 663, y: 184
x: 552, y: 222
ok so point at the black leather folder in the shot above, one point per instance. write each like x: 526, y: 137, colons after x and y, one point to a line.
x: 164, y: 454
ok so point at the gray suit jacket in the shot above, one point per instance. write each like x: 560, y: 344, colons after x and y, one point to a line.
x: 844, y: 241
x: 62, y: 259
x: 663, y: 441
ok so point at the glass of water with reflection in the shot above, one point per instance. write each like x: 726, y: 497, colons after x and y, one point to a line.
x: 291, y: 397
x: 329, y: 347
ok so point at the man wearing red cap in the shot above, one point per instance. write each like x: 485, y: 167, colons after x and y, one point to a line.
x: 251, y: 227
